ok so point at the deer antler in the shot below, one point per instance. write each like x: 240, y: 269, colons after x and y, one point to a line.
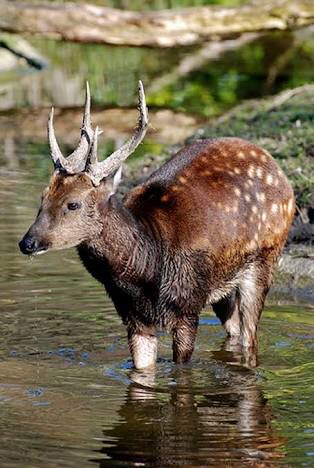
x: 55, y: 152
x: 76, y: 161
x: 98, y: 170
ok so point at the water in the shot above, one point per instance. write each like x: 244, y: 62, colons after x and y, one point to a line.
x: 69, y: 396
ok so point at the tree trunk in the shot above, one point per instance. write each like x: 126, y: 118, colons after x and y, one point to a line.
x: 165, y: 28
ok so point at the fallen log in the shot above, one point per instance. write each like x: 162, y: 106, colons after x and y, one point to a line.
x: 164, y: 28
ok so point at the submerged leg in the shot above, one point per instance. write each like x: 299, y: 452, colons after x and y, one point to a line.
x: 183, y: 335
x: 227, y: 310
x: 253, y: 288
x: 143, y: 347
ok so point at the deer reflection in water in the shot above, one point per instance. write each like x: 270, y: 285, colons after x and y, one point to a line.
x: 225, y: 421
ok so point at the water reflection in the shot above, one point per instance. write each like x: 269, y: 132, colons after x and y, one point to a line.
x: 222, y: 419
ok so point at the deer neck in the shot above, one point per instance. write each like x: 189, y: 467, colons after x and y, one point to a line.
x: 122, y: 243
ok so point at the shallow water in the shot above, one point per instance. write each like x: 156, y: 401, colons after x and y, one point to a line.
x: 69, y: 397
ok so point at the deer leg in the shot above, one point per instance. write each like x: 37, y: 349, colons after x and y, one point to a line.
x: 183, y: 335
x: 253, y: 288
x: 143, y: 346
x: 227, y: 310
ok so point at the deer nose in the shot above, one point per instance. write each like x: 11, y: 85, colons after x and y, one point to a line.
x: 28, y: 244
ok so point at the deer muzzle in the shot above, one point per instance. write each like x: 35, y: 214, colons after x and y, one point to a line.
x: 32, y: 245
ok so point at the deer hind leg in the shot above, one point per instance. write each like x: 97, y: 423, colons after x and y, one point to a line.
x: 254, y: 285
x: 227, y: 310
x: 143, y: 346
x: 183, y: 335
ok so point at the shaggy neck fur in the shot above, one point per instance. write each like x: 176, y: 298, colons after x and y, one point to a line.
x: 121, y: 242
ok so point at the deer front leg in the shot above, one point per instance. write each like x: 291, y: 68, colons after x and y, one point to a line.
x: 183, y: 334
x: 143, y: 346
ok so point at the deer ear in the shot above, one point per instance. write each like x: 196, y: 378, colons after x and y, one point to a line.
x: 117, y: 179
x: 114, y: 181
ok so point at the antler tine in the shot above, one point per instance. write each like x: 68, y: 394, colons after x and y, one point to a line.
x: 100, y: 170
x: 55, y: 152
x: 77, y: 160
x: 86, y: 119
x: 92, y: 156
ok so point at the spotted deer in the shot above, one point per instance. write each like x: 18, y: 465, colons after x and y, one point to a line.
x: 205, y: 228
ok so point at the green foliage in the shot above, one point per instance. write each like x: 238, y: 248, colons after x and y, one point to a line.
x: 266, y: 66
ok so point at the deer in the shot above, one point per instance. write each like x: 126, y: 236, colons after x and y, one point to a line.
x: 206, y: 228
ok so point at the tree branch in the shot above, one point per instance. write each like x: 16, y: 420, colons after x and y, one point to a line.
x: 165, y: 28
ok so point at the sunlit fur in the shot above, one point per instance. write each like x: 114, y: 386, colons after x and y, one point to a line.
x: 207, y: 226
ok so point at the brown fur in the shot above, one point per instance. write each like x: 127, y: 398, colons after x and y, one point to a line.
x: 207, y: 226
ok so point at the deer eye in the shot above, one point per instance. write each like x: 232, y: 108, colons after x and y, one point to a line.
x: 74, y: 206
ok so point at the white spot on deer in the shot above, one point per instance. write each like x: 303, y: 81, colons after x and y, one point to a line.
x: 206, y: 173
x: 227, y: 209
x: 254, y: 208
x: 247, y: 197
x: 237, y: 191
x: 269, y: 179
x: 290, y: 206
x: 259, y: 226
x: 264, y: 216
x: 241, y: 155
x: 256, y: 236
x: 260, y: 196
x: 237, y: 171
x: 182, y: 179
x: 259, y: 172
x: 264, y: 156
x: 235, y: 208
x: 164, y: 198
x: 251, y: 171
x: 274, y: 208
x: 276, y: 182
x: 253, y: 153
x: 251, y: 245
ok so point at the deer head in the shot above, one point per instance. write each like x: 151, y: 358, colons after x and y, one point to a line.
x: 80, y: 186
